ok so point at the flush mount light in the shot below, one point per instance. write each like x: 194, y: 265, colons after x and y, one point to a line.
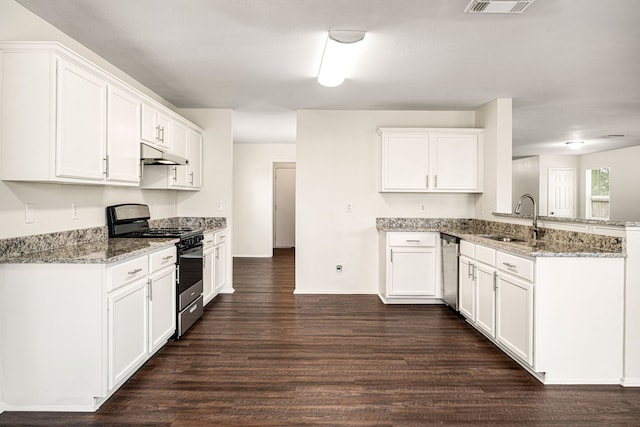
x: 575, y: 145
x: 337, y: 56
x: 498, y: 6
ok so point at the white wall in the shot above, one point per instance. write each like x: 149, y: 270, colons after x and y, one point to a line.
x: 496, y: 118
x: 253, y: 196
x: 337, y: 164
x: 625, y: 176
x: 53, y: 201
x: 526, y: 180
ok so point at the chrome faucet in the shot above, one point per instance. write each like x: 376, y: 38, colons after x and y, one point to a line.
x: 535, y: 213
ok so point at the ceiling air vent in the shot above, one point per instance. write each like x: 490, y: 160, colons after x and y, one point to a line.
x: 498, y: 6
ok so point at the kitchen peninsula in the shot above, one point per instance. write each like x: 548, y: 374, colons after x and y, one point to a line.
x: 535, y: 300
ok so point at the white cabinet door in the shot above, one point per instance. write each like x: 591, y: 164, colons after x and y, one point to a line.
x: 220, y: 267
x: 164, y: 131
x: 128, y: 326
x: 456, y: 161
x: 155, y: 127
x: 162, y: 307
x: 514, y: 315
x: 123, y: 147
x: 485, y: 298
x: 149, y: 130
x: 195, y: 159
x: 208, y: 275
x: 467, y: 288
x: 81, y: 123
x: 179, y: 139
x: 412, y: 271
x: 405, y: 161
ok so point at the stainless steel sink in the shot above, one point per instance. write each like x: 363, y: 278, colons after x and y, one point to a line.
x: 499, y: 238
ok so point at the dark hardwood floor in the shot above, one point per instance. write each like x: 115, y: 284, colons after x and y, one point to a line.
x: 266, y: 357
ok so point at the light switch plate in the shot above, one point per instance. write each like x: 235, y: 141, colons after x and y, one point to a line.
x: 29, y: 213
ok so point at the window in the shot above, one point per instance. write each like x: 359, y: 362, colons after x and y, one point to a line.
x: 597, y: 186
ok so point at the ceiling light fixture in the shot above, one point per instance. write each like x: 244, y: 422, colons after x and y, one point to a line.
x: 337, y: 56
x: 498, y: 6
x: 575, y: 145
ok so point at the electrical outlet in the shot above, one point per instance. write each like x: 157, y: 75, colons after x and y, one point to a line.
x: 218, y: 206
x: 74, y: 211
x: 421, y: 208
x: 338, y: 268
x: 348, y: 208
x: 29, y: 213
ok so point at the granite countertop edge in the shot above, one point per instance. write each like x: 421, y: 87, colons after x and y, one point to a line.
x: 548, y: 249
x: 107, y: 251
x: 103, y: 251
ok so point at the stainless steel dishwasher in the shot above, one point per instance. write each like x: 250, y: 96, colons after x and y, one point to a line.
x: 450, y: 252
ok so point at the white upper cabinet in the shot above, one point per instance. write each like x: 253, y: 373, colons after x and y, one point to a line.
x: 155, y: 127
x: 405, y: 161
x: 81, y: 123
x: 431, y: 160
x: 64, y: 119
x: 183, y: 177
x: 123, y: 150
x: 456, y: 162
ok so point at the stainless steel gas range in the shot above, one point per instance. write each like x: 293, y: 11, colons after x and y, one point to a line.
x: 132, y: 221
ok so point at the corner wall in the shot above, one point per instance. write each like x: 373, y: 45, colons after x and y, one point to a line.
x: 496, y: 118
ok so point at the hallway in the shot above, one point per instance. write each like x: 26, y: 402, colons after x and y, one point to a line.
x: 266, y: 357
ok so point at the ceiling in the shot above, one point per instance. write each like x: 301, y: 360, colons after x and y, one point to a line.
x: 572, y: 67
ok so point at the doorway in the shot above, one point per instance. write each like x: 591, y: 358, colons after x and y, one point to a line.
x: 562, y: 192
x: 284, y: 205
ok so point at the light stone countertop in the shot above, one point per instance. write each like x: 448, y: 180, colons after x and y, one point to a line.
x: 105, y: 251
x: 531, y: 248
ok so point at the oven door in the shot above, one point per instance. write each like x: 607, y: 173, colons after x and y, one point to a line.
x: 189, y: 275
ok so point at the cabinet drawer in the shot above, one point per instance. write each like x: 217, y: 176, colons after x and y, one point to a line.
x: 220, y: 237
x: 486, y: 255
x: 412, y: 239
x: 161, y: 259
x: 209, y: 241
x: 128, y: 271
x: 467, y: 249
x: 515, y: 265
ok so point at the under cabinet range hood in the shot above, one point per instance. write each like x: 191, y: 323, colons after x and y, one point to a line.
x: 152, y: 156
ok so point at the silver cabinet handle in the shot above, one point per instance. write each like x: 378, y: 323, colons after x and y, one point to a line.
x: 391, y: 255
x: 162, y: 134
x: 217, y: 253
x: 158, y: 133
x: 427, y: 181
x: 105, y: 166
x: 413, y: 240
x: 509, y: 265
x: 191, y: 181
x: 175, y: 173
x: 435, y: 184
x: 473, y: 273
x: 469, y: 267
x: 136, y: 271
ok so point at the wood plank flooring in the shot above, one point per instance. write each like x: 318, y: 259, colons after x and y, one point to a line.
x: 266, y: 357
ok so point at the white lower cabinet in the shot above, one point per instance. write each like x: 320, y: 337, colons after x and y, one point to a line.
x: 486, y: 298
x: 410, y: 273
x: 557, y: 316
x: 162, y: 306
x: 86, y: 329
x: 476, y: 286
x: 514, y: 316
x: 220, y: 261
x: 467, y: 289
x: 128, y: 329
x: 208, y: 266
